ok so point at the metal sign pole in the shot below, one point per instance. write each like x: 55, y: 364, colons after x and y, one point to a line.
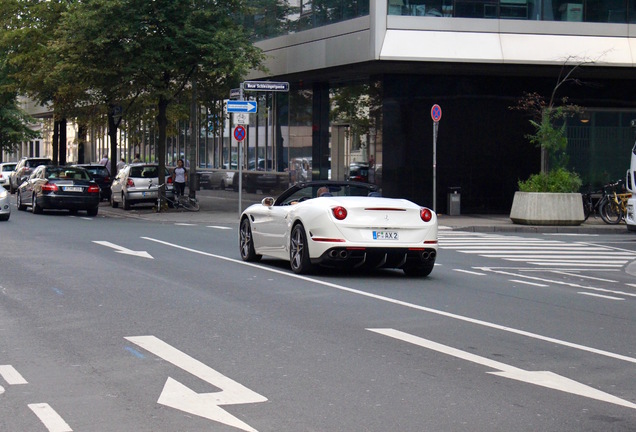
x: 436, y: 115
x: 435, y: 125
x: 240, y: 164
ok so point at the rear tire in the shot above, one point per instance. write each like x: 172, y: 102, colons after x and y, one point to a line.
x: 35, y: 208
x: 421, y: 270
x: 92, y: 211
x: 113, y: 203
x: 611, y: 213
x: 246, y: 242
x: 299, y: 252
x: 124, y: 202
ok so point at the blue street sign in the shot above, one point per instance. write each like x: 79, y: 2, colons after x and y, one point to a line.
x: 241, y: 106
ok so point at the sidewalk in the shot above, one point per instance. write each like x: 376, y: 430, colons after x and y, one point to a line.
x: 222, y: 207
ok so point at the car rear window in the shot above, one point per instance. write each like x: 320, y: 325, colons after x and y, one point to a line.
x: 32, y: 163
x: 8, y: 167
x: 146, y: 172
x: 67, y: 173
x: 99, y: 171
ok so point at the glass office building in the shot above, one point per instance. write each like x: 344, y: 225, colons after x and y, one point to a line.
x: 364, y: 75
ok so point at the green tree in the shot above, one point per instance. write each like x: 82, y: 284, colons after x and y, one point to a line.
x: 122, y: 48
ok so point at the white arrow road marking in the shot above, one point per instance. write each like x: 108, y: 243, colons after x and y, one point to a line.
x: 50, y: 418
x: 541, y: 378
x: 123, y: 250
x: 178, y: 396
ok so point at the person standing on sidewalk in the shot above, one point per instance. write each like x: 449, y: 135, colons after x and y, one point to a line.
x: 179, y: 178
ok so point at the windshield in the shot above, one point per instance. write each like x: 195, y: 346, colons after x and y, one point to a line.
x: 336, y: 190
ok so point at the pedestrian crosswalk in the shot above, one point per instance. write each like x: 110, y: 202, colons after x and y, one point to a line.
x: 536, y: 251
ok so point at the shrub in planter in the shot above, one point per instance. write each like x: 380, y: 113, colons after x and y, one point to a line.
x: 559, y: 180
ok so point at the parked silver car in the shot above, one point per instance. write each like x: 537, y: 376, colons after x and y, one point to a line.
x: 6, y: 169
x: 138, y: 183
x: 5, y: 204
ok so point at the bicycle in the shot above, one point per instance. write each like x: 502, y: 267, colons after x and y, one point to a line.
x: 592, y: 203
x: 607, y: 206
x: 180, y: 201
x: 615, y: 207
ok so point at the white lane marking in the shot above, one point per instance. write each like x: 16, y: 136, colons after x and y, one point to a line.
x: 557, y: 282
x: 571, y: 234
x: 11, y: 375
x: 541, y: 378
x: 409, y: 305
x: 123, y: 250
x: 219, y: 227
x: 585, y: 276
x: 206, y: 405
x: 600, y: 295
x: 470, y: 272
x: 529, y: 283
x: 50, y: 418
x: 184, y: 224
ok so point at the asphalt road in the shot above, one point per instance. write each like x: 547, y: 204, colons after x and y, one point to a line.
x: 120, y: 324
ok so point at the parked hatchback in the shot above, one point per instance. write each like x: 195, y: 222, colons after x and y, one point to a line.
x: 5, y: 172
x: 138, y: 183
x: 24, y: 169
x: 101, y: 176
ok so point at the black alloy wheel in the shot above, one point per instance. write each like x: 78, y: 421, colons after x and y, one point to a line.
x: 246, y: 242
x: 298, y: 251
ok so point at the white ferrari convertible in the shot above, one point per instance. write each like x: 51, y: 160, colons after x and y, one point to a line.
x: 348, y: 226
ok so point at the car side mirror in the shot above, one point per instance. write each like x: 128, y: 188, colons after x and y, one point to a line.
x: 268, y: 201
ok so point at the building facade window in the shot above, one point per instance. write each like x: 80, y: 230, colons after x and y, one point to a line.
x: 600, y: 11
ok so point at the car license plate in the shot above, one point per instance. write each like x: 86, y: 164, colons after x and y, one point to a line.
x: 385, y: 235
x: 72, y: 189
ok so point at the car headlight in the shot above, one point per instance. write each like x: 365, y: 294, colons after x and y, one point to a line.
x: 3, y: 192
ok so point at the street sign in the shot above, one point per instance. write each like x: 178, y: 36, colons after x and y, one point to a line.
x: 241, y: 118
x: 235, y: 93
x: 241, y: 106
x: 436, y: 113
x: 239, y: 133
x: 266, y: 86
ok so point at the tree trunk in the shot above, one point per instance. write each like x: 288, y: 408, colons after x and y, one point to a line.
x: 160, y: 151
x: 56, y: 141
x: 82, y: 130
x: 112, y: 136
x: 62, y: 138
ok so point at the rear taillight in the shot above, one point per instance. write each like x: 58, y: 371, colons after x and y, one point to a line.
x: 339, y: 212
x: 107, y: 179
x: 49, y: 187
x: 130, y: 183
x: 426, y: 214
x: 93, y: 189
x: 169, y: 180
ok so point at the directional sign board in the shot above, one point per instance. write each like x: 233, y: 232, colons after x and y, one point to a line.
x: 266, y: 86
x: 234, y: 106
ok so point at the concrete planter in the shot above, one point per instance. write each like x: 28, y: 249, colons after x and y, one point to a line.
x: 545, y: 208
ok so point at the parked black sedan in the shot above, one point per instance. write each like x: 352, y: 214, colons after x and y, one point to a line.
x: 59, y: 187
x: 100, y: 174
